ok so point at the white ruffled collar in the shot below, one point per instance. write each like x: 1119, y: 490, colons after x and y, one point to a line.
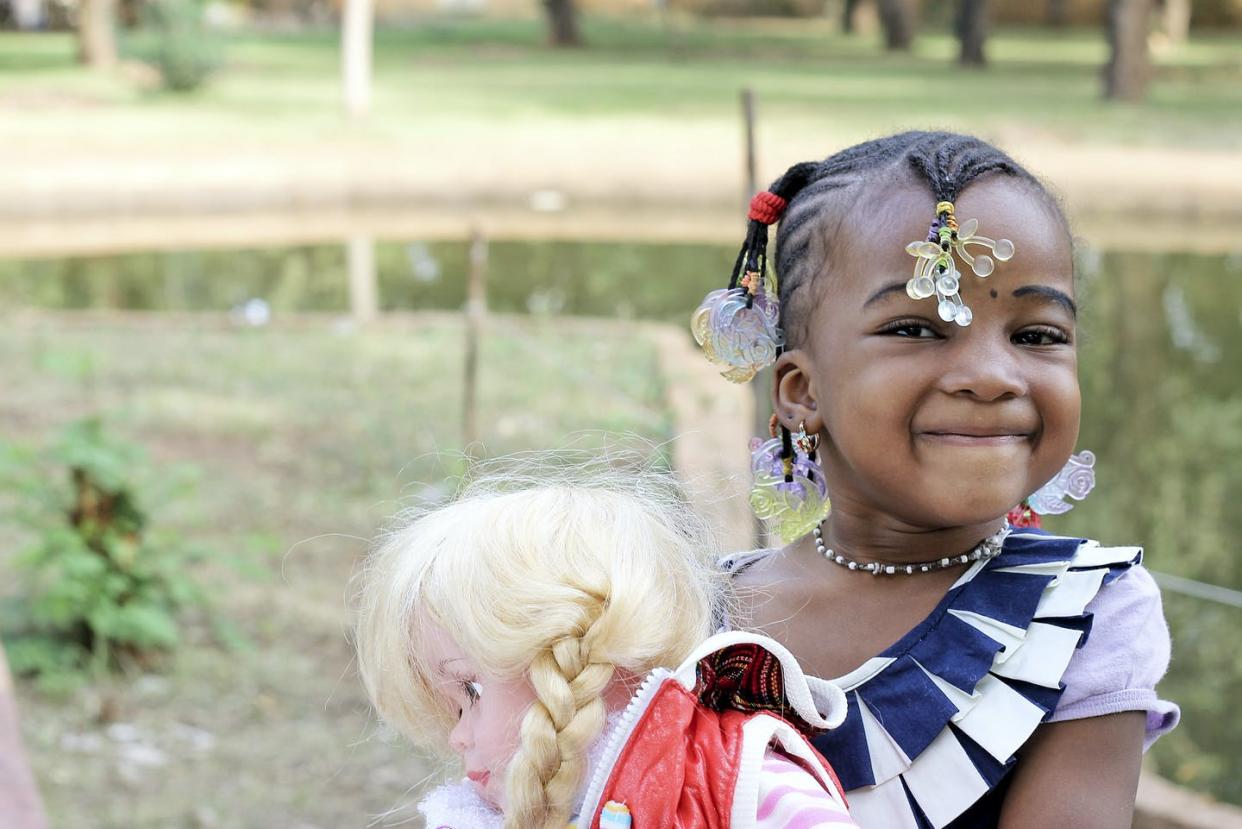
x: 457, y: 805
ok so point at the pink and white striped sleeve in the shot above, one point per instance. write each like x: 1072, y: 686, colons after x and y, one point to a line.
x: 790, y: 797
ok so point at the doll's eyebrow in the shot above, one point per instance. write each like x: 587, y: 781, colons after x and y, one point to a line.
x: 885, y: 291
x: 443, y: 662
x: 1051, y: 294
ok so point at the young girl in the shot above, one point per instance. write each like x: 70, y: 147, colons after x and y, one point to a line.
x: 925, y: 378
x: 515, y: 627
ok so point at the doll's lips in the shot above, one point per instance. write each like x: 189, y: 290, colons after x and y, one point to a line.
x: 480, y: 777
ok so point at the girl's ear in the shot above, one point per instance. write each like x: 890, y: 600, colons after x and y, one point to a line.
x: 793, y: 392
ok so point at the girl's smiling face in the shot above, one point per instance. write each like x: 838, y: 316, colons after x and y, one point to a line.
x: 928, y: 422
x: 490, y: 712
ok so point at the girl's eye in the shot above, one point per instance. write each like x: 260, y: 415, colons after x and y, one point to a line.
x: 914, y: 329
x: 472, y: 690
x: 1041, y: 335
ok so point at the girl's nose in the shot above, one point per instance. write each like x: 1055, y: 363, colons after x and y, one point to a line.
x: 984, y: 368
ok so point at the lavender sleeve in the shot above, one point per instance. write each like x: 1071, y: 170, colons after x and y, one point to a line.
x: 1124, y: 657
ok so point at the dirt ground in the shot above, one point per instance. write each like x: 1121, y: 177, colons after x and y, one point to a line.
x: 658, y: 167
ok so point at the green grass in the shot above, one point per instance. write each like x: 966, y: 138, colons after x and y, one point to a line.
x: 448, y: 74
x: 305, y: 438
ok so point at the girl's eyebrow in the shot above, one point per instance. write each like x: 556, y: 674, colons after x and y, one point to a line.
x: 443, y: 662
x: 885, y: 291
x: 1049, y: 294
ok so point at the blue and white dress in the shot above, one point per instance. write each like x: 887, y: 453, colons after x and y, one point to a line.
x: 934, y: 722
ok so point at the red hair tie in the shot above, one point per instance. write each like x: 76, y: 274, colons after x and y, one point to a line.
x: 767, y: 207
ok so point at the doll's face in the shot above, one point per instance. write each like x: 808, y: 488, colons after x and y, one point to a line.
x: 936, y: 424
x: 487, y: 732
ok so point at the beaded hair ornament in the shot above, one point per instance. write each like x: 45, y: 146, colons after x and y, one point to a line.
x: 739, y: 326
x: 935, y: 269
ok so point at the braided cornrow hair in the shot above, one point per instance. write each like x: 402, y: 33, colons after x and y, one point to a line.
x: 818, y: 201
x: 567, y: 716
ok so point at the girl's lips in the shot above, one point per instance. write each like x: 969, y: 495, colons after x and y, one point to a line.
x: 479, y: 777
x: 960, y: 439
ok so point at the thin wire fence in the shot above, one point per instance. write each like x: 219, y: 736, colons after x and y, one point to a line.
x: 1198, y: 589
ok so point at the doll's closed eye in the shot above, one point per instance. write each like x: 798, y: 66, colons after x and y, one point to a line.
x: 472, y: 691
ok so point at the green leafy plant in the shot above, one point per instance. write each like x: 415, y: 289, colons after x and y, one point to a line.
x: 175, y: 40
x: 101, y: 590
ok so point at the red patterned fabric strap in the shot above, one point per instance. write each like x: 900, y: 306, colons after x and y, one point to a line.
x: 1023, y: 516
x: 767, y: 207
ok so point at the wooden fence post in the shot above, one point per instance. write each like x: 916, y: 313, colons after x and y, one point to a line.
x: 19, y: 798
x: 476, y: 310
x: 363, y: 279
x: 760, y: 385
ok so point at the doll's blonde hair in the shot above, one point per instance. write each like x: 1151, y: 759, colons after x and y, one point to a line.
x: 563, y: 578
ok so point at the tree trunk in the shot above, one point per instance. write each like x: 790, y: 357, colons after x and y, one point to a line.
x: 1055, y: 13
x: 848, y: 12
x: 1129, y: 68
x: 562, y: 23
x: 1175, y: 20
x: 897, y: 19
x: 971, y: 25
x: 357, y: 36
x: 97, y: 33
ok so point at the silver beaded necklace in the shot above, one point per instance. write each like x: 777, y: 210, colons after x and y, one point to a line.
x: 985, y: 549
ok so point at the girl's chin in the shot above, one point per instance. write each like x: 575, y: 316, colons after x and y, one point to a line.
x: 965, y: 511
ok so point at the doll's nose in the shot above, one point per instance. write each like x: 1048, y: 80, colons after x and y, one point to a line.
x: 459, y: 738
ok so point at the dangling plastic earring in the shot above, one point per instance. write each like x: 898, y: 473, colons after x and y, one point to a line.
x: 1075, y: 480
x: 789, y: 490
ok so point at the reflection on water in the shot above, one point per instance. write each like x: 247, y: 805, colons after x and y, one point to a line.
x: 1161, y: 374
x: 595, y: 279
x: 1162, y: 395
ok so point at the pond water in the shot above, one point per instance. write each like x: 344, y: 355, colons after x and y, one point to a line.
x: 1161, y: 373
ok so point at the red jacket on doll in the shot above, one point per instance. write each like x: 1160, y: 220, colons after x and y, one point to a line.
x: 696, y: 747
x: 719, y: 743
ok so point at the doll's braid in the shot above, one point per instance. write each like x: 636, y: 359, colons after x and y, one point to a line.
x: 568, y: 715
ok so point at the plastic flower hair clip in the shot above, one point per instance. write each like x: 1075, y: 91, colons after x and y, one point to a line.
x: 789, y: 490
x: 739, y: 326
x: 1075, y: 480
x: 935, y: 269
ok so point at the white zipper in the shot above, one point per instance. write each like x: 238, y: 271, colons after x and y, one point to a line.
x: 616, y: 741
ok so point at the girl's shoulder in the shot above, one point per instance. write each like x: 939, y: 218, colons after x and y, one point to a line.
x: 737, y: 563
x: 1126, y: 654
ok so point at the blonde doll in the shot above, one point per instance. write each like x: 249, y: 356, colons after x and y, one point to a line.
x: 556, y: 637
